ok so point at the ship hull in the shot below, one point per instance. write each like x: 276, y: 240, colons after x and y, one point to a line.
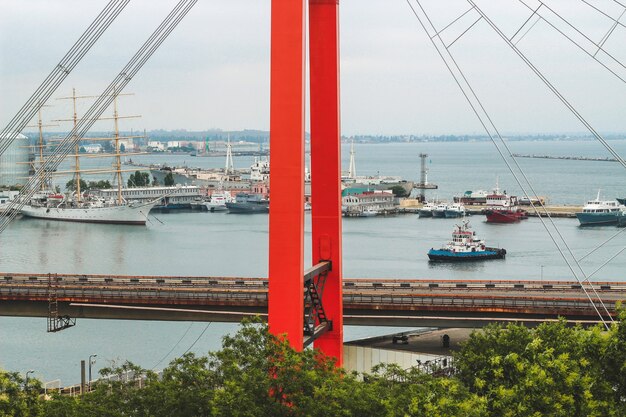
x: 130, y: 215
x: 597, y: 219
x: 247, y: 208
x: 439, y: 214
x: 449, y: 256
x: 425, y: 213
x: 453, y: 214
x: 504, y: 216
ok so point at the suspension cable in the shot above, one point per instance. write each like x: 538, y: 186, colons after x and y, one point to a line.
x: 60, y: 72
x: 604, y: 13
x: 568, y: 105
x: 603, y: 243
x: 97, y: 109
x: 550, y: 86
x: 598, y: 48
x: 478, y: 108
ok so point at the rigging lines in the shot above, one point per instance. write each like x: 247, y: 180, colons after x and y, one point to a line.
x: 100, y: 105
x: 550, y: 86
x: 545, y: 13
x: 60, y: 72
x: 488, y: 124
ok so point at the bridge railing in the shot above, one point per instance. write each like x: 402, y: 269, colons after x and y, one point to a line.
x: 257, y: 297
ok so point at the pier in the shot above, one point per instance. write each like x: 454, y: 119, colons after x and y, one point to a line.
x: 477, y: 210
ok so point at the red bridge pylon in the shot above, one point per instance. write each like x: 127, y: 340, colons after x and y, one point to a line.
x: 305, y: 305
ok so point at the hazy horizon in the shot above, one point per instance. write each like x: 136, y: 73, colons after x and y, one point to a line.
x: 214, y: 68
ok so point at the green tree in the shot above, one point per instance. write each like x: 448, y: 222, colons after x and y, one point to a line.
x: 18, y: 399
x: 71, y: 185
x: 107, y: 147
x: 554, y: 370
x: 398, y: 191
x: 122, y: 147
x: 139, y: 179
x: 99, y: 185
x: 169, y: 179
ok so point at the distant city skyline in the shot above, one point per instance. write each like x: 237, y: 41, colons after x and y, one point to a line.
x: 213, y: 71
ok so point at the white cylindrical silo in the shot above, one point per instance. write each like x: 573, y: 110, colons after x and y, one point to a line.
x: 14, y: 162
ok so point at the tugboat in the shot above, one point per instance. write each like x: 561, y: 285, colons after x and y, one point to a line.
x: 465, y: 246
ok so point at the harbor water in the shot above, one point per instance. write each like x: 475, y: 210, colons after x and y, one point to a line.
x: 219, y: 244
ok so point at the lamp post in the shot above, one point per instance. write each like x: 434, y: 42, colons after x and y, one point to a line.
x: 91, y: 362
x: 541, y: 273
x: 26, y: 379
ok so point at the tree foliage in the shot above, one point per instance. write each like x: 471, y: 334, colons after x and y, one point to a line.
x: 71, y: 185
x: 399, y: 191
x: 553, y: 370
x: 168, y: 181
x: 139, y: 179
x: 91, y: 185
x: 18, y: 398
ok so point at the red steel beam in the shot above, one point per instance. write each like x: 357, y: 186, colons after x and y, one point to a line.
x: 326, y: 164
x: 286, y: 246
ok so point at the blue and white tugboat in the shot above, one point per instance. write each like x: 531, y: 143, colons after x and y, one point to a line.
x: 465, y: 246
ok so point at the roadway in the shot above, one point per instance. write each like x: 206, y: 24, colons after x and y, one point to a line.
x: 378, y: 302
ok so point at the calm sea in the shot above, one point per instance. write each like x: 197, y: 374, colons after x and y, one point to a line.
x: 229, y: 245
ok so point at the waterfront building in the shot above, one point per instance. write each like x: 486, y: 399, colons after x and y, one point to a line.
x: 92, y: 148
x: 379, y: 201
x: 156, y: 146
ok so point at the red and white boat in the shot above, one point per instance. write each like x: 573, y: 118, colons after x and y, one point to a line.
x: 503, y: 208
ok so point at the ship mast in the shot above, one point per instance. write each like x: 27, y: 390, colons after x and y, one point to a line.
x: 118, y: 161
x: 352, y: 169
x: 40, y: 144
x: 43, y: 174
x: 117, y: 164
x: 40, y: 125
x: 77, y: 150
x: 229, y: 158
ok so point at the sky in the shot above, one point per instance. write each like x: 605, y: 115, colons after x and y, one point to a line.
x: 213, y: 71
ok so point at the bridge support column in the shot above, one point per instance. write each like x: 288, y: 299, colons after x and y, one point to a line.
x: 326, y: 164
x: 286, y: 246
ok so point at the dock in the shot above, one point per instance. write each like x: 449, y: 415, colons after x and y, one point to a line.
x: 556, y: 211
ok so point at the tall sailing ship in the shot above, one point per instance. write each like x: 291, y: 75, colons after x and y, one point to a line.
x: 83, y: 207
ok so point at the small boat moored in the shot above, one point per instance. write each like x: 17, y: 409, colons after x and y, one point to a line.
x: 465, y: 246
x: 426, y: 210
x: 440, y: 211
x: 248, y: 204
x: 454, y: 211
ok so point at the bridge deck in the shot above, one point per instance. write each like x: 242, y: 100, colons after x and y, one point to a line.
x: 404, y: 302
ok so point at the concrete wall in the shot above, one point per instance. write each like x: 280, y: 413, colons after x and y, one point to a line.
x: 363, y: 359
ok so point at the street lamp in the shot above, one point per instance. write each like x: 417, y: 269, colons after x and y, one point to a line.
x: 91, y: 362
x: 541, y: 273
x: 26, y: 379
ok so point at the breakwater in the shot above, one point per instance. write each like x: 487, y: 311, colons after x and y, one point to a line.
x: 572, y: 158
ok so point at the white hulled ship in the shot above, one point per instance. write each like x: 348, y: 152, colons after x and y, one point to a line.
x: 79, y: 207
